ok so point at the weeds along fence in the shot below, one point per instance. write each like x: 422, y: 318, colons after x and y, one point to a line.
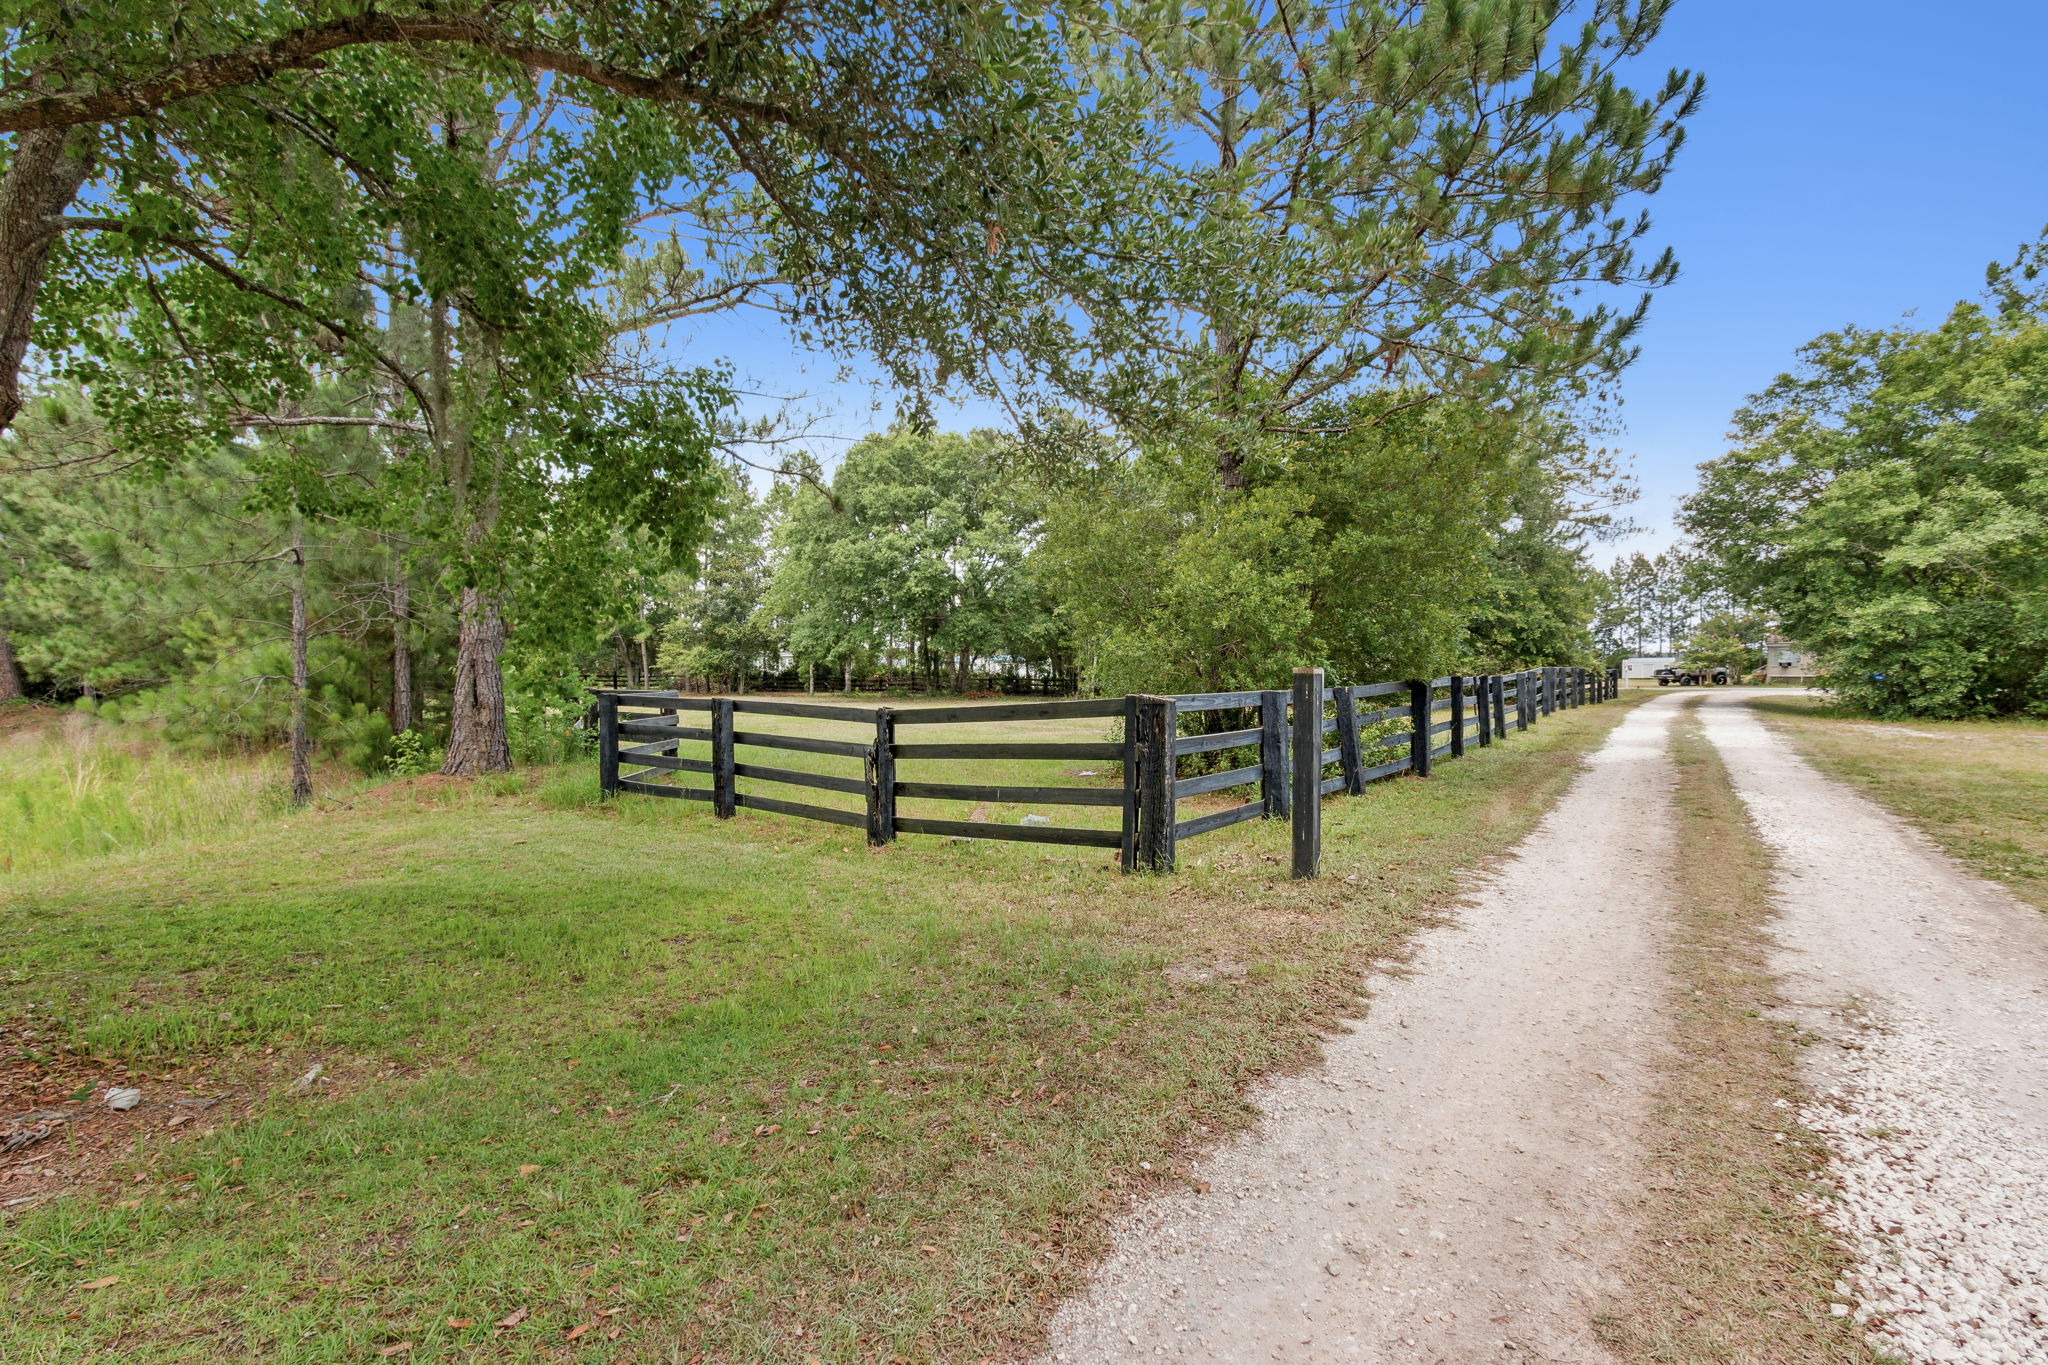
x: 1298, y: 745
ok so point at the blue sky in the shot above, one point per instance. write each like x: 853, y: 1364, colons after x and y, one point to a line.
x: 1856, y: 161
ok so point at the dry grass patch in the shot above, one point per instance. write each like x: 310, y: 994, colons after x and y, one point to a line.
x: 1729, y: 1271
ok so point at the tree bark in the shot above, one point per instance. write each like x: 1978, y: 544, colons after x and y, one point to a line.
x: 401, y: 657
x: 42, y: 179
x: 302, y: 750
x: 848, y: 665
x: 476, y: 720
x: 11, y: 687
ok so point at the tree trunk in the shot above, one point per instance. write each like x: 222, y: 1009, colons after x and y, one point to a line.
x: 646, y: 670
x: 43, y: 177
x: 11, y: 688
x: 401, y: 658
x: 848, y: 664
x: 302, y: 751
x: 476, y: 719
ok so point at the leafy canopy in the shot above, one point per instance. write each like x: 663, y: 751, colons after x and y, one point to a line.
x: 1888, y: 501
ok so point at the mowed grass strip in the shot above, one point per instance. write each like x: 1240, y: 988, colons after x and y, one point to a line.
x: 1978, y: 788
x: 1730, y: 1268
x: 627, y: 1077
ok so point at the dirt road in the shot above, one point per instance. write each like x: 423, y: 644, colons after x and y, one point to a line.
x: 1446, y: 1186
x: 1929, y: 986
x: 1454, y: 1183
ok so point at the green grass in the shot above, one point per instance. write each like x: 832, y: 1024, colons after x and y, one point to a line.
x: 767, y: 1093
x: 72, y: 788
x: 1977, y: 788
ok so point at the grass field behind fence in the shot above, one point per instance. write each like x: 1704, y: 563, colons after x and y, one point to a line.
x: 625, y: 1076
x: 1103, y: 774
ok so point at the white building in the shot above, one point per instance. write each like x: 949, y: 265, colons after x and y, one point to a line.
x: 1786, y: 662
x: 1642, y: 672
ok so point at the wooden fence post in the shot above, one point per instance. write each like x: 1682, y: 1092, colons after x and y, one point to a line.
x: 1482, y: 699
x: 1500, y: 706
x: 1308, y: 771
x: 1273, y: 754
x: 1420, y: 716
x: 607, y: 744
x: 724, y: 781
x: 1158, y: 724
x: 881, y: 767
x: 1347, y: 741
x: 1127, y: 852
x: 1549, y: 689
x: 1458, y: 681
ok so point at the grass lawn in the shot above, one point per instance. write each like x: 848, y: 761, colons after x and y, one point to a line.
x: 1977, y: 788
x: 624, y: 1082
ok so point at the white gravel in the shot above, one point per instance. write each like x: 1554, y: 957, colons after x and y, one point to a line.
x: 1930, y: 986
x: 1453, y: 1184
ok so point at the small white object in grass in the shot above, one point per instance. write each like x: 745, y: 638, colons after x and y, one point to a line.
x: 123, y: 1097
x: 1089, y: 772
x: 305, y: 1082
x: 1036, y: 820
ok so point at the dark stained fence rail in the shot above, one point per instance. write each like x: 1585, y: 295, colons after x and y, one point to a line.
x: 1367, y: 733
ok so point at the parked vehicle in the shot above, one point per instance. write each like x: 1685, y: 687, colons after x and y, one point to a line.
x: 1690, y: 676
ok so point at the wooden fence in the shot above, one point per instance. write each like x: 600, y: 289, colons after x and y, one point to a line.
x: 1054, y: 684
x: 1356, y: 734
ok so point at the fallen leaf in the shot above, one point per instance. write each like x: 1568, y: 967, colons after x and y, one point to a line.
x: 459, y: 1323
x: 767, y: 1130
x: 102, y: 1282
x: 578, y: 1330
x: 514, y: 1318
x: 528, y: 1169
x: 397, y: 1348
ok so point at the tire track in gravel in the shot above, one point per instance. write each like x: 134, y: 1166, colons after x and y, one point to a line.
x: 1454, y: 1183
x: 1929, y: 987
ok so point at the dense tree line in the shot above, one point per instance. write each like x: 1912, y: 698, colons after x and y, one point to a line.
x: 326, y: 327
x: 1887, y: 501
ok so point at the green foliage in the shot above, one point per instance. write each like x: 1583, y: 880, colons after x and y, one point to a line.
x: 921, y: 550
x: 544, y: 700
x: 1888, y: 502
x: 1649, y: 604
x: 1379, y: 196
x: 722, y: 631
x: 409, y: 755
x: 169, y: 590
x: 1371, y: 548
x: 1727, y: 640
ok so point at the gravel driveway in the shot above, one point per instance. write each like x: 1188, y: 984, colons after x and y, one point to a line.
x: 1447, y: 1187
x: 1453, y: 1184
x: 1929, y: 987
